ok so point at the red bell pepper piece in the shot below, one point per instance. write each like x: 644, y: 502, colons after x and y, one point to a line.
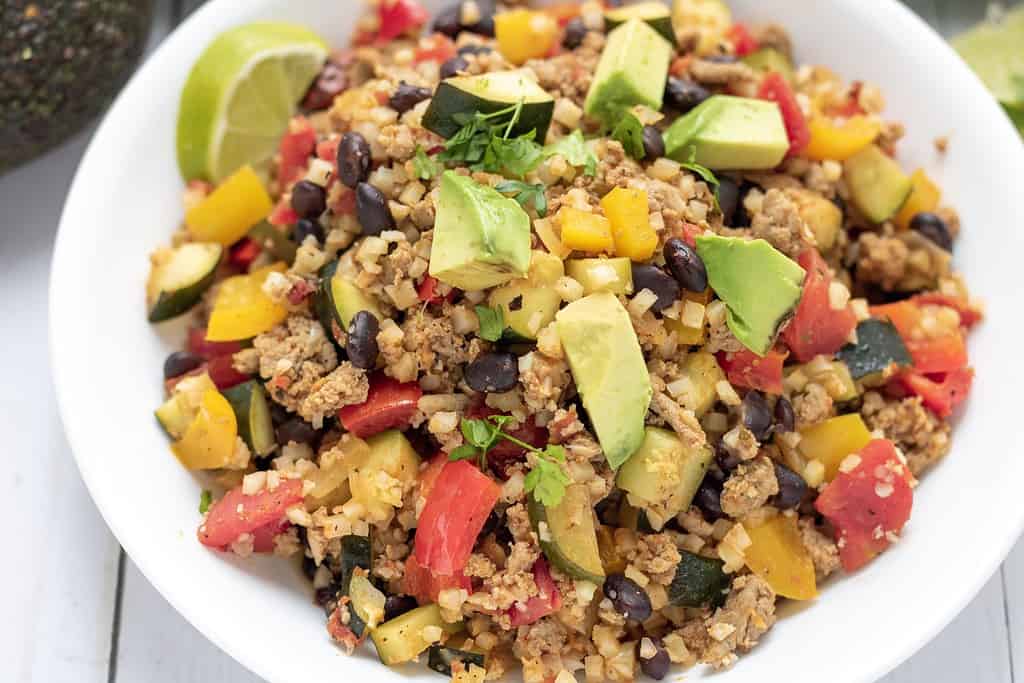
x: 237, y: 513
x: 243, y: 252
x: 940, y: 393
x: 198, y: 345
x: 424, y: 585
x: 436, y: 48
x: 547, y: 601
x: 398, y: 17
x: 747, y: 369
x: 263, y: 538
x: 222, y: 372
x: 283, y: 213
x: 742, y: 41
x: 944, y: 353
x: 429, y: 474
x: 817, y: 328
x: 969, y: 315
x: 868, y: 505
x: 388, y: 404
x: 296, y: 147
x: 427, y: 291
x: 775, y: 88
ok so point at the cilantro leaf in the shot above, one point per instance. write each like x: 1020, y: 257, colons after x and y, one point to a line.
x: 464, y: 452
x: 630, y: 132
x: 492, y: 322
x: 485, y: 143
x: 205, y: 498
x: 573, y: 149
x: 706, y: 174
x: 477, y: 432
x: 424, y: 166
x: 525, y: 192
x: 547, y: 481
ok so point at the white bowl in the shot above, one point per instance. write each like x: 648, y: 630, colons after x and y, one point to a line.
x: 126, y: 200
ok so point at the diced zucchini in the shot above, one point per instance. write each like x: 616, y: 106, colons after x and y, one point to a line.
x: 822, y: 216
x: 878, y: 346
x: 704, y: 374
x: 249, y: 401
x: 545, y: 269
x: 331, y: 480
x: 769, y: 59
x: 526, y: 309
x: 355, y: 554
x: 173, y: 417
x: 178, y: 411
x: 699, y: 581
x: 634, y: 518
x: 613, y: 275
x: 178, y: 277
x: 440, y: 658
x: 275, y: 241
x: 488, y: 93
x: 878, y: 186
x: 401, y: 639
x: 834, y: 376
x: 367, y: 601
x: 568, y: 538
x: 391, y: 458
x: 655, y: 13
x: 338, y: 300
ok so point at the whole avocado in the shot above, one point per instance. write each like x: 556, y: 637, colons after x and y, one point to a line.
x: 61, y: 62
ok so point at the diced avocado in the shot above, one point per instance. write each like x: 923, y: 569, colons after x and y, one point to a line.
x: 632, y: 70
x: 481, y: 237
x: 729, y: 133
x: 613, y: 275
x: 608, y: 367
x: 487, y: 93
x: 663, y: 476
x: 568, y: 538
x: 655, y: 13
x: 769, y: 59
x: 878, y: 186
x: 759, y: 285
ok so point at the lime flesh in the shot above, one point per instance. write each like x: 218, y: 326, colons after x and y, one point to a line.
x: 996, y: 53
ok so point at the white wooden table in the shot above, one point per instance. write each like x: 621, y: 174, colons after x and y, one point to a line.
x: 75, y: 609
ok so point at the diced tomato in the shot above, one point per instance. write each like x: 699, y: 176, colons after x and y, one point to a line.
x: 775, y: 88
x: 504, y: 454
x: 547, y: 601
x: 344, y: 203
x: 944, y: 353
x: 437, y: 48
x: 222, y: 371
x: 328, y: 149
x: 237, y: 513
x: 680, y: 65
x: 969, y: 315
x: 388, y: 404
x: 243, y: 252
x: 690, y: 232
x: 263, y: 538
x: 817, y: 328
x: 747, y: 369
x: 742, y: 41
x: 939, y: 393
x: 340, y: 632
x: 455, y: 511
x: 428, y: 475
x: 424, y: 585
x: 869, y: 504
x: 283, y: 213
x: 296, y: 147
x: 398, y: 17
x: 198, y: 345
x: 427, y: 291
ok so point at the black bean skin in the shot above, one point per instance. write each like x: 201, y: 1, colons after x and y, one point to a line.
x: 726, y: 460
x: 933, y: 228
x: 354, y: 159
x: 453, y: 66
x: 372, y: 210
x: 495, y: 371
x: 728, y: 198
x: 757, y: 416
x: 686, y: 265
x: 485, y: 26
x: 575, y: 32
x: 709, y: 499
x: 659, y: 282
x: 785, y: 418
x: 327, y: 598
x: 627, y: 597
x: 295, y: 430
x: 792, y: 488
x: 308, y: 199
x: 305, y: 227
x: 180, y: 362
x: 654, y: 144
x: 474, y: 49
x: 361, y: 344
x: 683, y: 94
x: 407, y: 96
x: 447, y: 20
x: 397, y: 605
x: 657, y: 666
x: 309, y: 567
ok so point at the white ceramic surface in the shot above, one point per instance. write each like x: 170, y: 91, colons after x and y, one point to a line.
x: 126, y: 200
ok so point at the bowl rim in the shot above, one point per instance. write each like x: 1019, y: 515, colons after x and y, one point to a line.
x: 887, y: 11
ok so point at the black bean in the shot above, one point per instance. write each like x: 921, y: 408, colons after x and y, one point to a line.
x: 308, y: 567
x: 726, y: 459
x: 686, y: 265
x: 180, y: 362
x: 757, y: 416
x: 361, y: 345
x: 682, y: 94
x: 728, y: 194
x: 575, y: 32
x: 628, y: 598
x: 840, y: 203
x: 932, y: 227
x: 447, y: 21
x: 372, y: 210
x: 397, y: 605
x: 785, y: 418
x: 792, y: 488
x: 475, y: 49
x: 308, y: 199
x: 453, y: 66
x: 327, y: 598
x: 485, y: 26
x: 654, y: 144
x: 407, y: 96
x: 304, y: 227
x: 354, y: 159
x: 490, y: 525
x: 658, y: 665
x: 516, y: 304
x: 331, y: 82
x: 709, y: 498
x: 659, y: 282
x: 495, y: 371
x: 295, y: 430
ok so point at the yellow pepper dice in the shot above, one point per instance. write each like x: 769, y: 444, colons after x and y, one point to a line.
x: 211, y: 438
x: 241, y: 309
x: 227, y: 213
x: 626, y: 209
x: 924, y: 196
x: 840, y: 142
x: 523, y: 34
x: 585, y: 231
x: 778, y: 555
x: 832, y: 440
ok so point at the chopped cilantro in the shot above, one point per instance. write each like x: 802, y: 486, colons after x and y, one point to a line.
x: 524, y: 193
x: 425, y: 166
x: 630, y: 132
x: 492, y: 322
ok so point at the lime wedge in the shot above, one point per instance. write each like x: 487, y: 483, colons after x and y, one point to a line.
x: 240, y: 94
x: 996, y: 53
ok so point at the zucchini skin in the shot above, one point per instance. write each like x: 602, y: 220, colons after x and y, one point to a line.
x: 449, y: 100
x: 878, y: 346
x: 440, y: 658
x: 698, y: 581
x: 242, y: 397
x: 172, y: 304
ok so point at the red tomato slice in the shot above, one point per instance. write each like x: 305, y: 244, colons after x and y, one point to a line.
x: 869, y: 504
x: 424, y: 585
x: 388, y: 404
x: 427, y: 291
x: 455, y: 511
x: 198, y: 345
x: 817, y: 328
x: 429, y: 474
x: 743, y: 42
x: 283, y: 213
x: 222, y: 371
x: 939, y: 393
x: 547, y: 601
x: 398, y: 17
x: 296, y: 147
x: 327, y: 150
x: 747, y: 369
x: 775, y: 88
x: 937, y: 354
x: 969, y: 315
x: 236, y: 513
x: 437, y: 48
x: 263, y: 538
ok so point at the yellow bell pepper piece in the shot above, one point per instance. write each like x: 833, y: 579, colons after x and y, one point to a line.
x: 210, y: 441
x: 924, y: 196
x: 840, y: 142
x: 685, y: 334
x: 241, y: 309
x: 585, y: 231
x: 778, y: 555
x: 227, y: 213
x: 832, y: 440
x: 524, y: 34
x: 626, y: 209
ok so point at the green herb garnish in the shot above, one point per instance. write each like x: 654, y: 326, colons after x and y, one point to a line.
x: 630, y: 132
x: 205, y: 498
x: 424, y: 166
x: 705, y: 173
x: 573, y: 149
x: 492, y: 322
x: 485, y: 143
x: 525, y: 193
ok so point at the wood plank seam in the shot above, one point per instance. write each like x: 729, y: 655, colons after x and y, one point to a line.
x: 1006, y: 619
x: 115, y: 626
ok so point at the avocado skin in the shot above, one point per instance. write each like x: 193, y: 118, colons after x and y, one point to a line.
x: 61, y: 63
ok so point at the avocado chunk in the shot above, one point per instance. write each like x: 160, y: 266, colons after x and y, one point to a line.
x: 655, y: 13
x: 729, y: 133
x: 481, y: 238
x: 609, y: 370
x: 632, y: 70
x: 460, y: 96
x: 759, y: 285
